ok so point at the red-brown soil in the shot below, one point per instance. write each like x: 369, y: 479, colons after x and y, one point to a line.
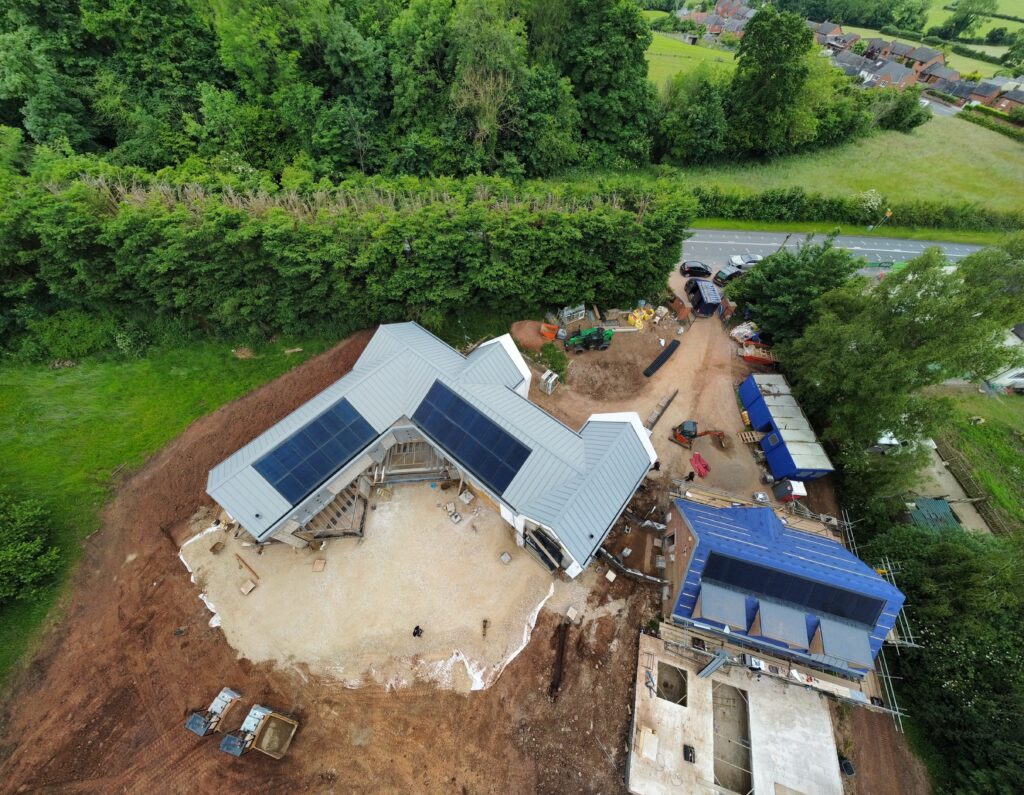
x: 102, y: 705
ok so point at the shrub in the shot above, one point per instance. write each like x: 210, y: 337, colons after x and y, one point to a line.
x: 377, y: 250
x: 1016, y: 133
x: 26, y: 560
x: 551, y: 357
x: 73, y: 333
x: 793, y: 204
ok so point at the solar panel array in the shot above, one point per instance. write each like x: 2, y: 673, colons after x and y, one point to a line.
x: 475, y: 441
x: 303, y: 461
x: 817, y: 597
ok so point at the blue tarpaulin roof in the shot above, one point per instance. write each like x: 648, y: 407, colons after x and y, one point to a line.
x: 758, y: 535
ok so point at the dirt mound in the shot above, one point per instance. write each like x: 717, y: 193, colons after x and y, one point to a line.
x: 527, y: 334
x: 101, y: 707
x: 606, y: 379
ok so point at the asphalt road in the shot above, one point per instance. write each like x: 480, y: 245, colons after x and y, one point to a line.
x: 713, y: 247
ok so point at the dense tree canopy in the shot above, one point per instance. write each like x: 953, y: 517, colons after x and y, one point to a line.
x: 965, y: 687
x: 329, y: 88
x: 778, y: 291
x: 860, y: 365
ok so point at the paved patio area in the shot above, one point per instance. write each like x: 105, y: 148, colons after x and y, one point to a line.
x: 353, y: 620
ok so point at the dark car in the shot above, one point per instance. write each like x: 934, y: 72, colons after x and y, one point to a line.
x: 694, y: 268
x: 726, y: 275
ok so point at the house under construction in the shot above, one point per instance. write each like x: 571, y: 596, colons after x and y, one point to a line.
x: 413, y: 408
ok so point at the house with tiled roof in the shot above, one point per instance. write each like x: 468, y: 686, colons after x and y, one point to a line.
x: 937, y: 72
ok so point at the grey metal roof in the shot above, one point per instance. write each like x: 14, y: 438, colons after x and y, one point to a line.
x: 723, y: 604
x: 849, y: 642
x: 771, y: 383
x: 783, y: 622
x: 574, y: 483
x: 809, y: 455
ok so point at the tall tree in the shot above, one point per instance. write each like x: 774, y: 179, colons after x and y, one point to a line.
x: 601, y: 47
x: 771, y: 72
x: 859, y: 367
x: 968, y: 15
x: 778, y: 291
x: 691, y: 125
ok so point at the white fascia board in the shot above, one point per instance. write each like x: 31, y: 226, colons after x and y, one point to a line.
x: 633, y: 419
x: 509, y: 345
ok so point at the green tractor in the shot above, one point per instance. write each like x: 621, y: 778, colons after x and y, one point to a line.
x: 590, y: 339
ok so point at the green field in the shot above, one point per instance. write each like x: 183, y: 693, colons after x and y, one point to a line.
x: 826, y: 227
x: 937, y: 15
x: 650, y: 16
x: 995, y: 448
x: 667, y: 56
x: 958, y: 62
x: 946, y: 159
x: 65, y: 433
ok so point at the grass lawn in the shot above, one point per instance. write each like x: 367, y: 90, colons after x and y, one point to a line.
x: 937, y: 15
x: 64, y: 433
x: 995, y: 448
x: 667, y: 56
x: 930, y: 163
x: 824, y: 228
x: 954, y: 61
x: 650, y: 16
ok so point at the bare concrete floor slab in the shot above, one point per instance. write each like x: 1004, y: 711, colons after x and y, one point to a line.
x: 788, y: 728
x: 353, y: 620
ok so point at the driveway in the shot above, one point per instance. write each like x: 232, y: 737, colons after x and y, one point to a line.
x: 714, y: 247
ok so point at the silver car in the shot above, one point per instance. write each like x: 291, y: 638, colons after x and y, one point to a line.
x: 745, y: 262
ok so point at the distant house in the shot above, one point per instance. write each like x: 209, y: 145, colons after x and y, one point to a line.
x: 876, y: 48
x: 920, y: 58
x: 853, y: 65
x: 733, y: 9
x: 822, y: 30
x: 1011, y: 377
x: 985, y: 93
x: 960, y: 89
x: 715, y: 24
x: 735, y: 26
x: 937, y: 72
x: 898, y: 50
x: 1011, y: 100
x: 843, y: 41
x: 887, y: 74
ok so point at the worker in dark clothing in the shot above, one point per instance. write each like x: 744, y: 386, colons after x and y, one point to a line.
x: 691, y: 476
x: 417, y: 632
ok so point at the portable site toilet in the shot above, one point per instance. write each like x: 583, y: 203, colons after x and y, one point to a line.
x: 798, y: 461
x: 789, y: 490
x: 704, y: 297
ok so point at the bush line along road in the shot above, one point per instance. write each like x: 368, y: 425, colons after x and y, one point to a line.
x: 715, y: 246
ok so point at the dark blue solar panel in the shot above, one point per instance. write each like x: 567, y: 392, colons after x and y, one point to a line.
x: 815, y: 596
x: 303, y: 461
x: 476, y: 442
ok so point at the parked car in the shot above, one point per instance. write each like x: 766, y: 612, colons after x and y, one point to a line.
x: 726, y: 275
x: 745, y: 261
x: 694, y: 268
